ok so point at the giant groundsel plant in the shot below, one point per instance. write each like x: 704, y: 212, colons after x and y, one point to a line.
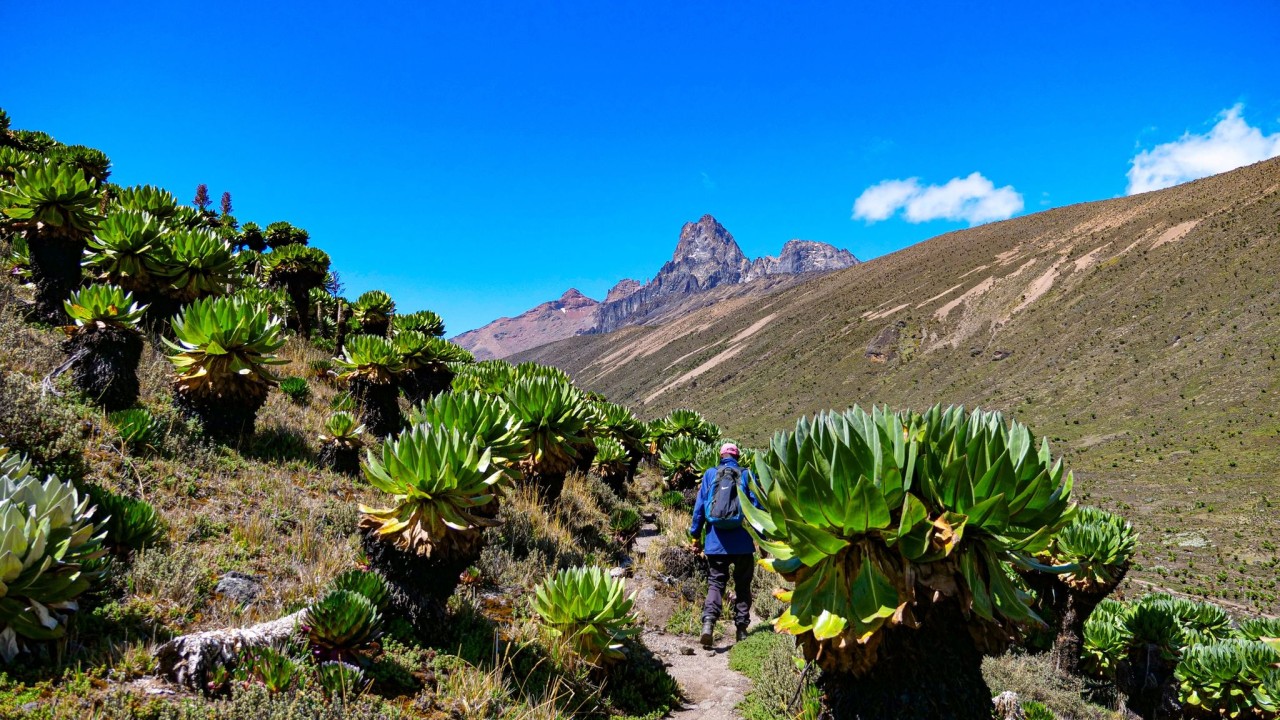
x: 901, y: 532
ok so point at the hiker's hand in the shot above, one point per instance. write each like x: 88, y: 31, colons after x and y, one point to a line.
x: 695, y: 546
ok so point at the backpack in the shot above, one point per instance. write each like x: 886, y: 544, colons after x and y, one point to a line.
x: 725, y: 507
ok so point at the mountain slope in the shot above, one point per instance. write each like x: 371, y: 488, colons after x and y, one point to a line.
x: 706, y: 258
x: 573, y: 314
x: 1138, y: 334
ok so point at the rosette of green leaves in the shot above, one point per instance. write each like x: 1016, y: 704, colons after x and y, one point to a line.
x: 682, y: 423
x: 273, y: 299
x: 529, y: 370
x: 12, y: 162
x: 135, y: 425
x: 53, y: 195
x: 341, y: 681
x: 680, y: 460
x: 130, y: 525
x: 369, y: 584
x: 611, y: 458
x: 423, y: 321
x: 588, y: 608
x: 47, y: 540
x: 1258, y: 629
x: 192, y: 264
x: 341, y: 625
x: 557, y: 419
x: 369, y: 357
x: 1106, y: 639
x: 296, y: 264
x: 619, y: 423
x: 274, y: 669
x: 1202, y: 622
x: 118, y: 250
x: 225, y: 346
x: 98, y: 306
x: 862, y: 510
x: 373, y: 308
x: 156, y: 202
x: 421, y: 351
x: 483, y: 417
x: 91, y: 161
x: 342, y: 429
x: 1228, y: 678
x: 436, y: 480
x: 490, y: 377
x: 1099, y: 546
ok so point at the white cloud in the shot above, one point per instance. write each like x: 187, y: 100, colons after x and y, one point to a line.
x: 1230, y: 144
x: 973, y: 199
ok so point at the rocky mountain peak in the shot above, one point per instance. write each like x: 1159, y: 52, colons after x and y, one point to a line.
x: 706, y: 257
x: 803, y: 256
x: 574, y: 299
x: 623, y: 289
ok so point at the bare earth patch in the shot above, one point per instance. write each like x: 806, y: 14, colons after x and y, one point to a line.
x: 1175, y: 233
x: 972, y: 293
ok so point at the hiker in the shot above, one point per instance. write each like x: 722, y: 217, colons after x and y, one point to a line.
x: 727, y: 543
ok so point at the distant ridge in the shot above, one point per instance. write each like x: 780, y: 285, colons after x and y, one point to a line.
x: 706, y: 257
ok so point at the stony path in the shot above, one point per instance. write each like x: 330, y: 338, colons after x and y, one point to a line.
x: 712, y: 691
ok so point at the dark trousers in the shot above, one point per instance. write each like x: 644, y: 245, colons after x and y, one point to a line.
x: 743, y: 569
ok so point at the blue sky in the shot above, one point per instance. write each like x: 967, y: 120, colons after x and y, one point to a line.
x: 479, y: 158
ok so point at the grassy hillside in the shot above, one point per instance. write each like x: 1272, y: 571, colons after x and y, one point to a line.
x: 1139, y: 334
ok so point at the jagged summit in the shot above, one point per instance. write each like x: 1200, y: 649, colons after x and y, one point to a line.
x: 706, y: 257
x: 802, y: 256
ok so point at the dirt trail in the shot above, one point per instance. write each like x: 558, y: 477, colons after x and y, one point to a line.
x: 712, y: 691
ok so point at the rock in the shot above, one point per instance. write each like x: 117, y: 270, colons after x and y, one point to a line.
x: 1007, y: 707
x: 884, y: 346
x: 686, y: 651
x: 622, y: 290
x: 617, y: 572
x: 240, y: 587
x: 802, y: 256
x: 999, y: 355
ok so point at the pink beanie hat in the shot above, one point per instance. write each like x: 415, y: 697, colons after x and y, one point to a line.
x: 728, y: 449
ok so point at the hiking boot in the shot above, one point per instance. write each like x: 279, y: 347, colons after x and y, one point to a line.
x: 708, y: 629
x: 742, y: 633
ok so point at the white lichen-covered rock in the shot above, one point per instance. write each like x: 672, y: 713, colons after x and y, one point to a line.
x: 1008, y: 707
x: 187, y: 660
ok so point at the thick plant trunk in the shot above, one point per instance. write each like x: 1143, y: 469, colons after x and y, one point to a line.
x: 379, y: 409
x: 551, y: 485
x: 586, y: 456
x: 106, y: 365
x: 425, y: 383
x: 1148, y: 683
x: 418, y: 587
x: 301, y: 301
x: 934, y: 673
x: 187, y: 660
x: 224, y: 419
x: 161, y: 309
x: 340, y: 459
x: 378, y: 327
x: 1069, y: 607
x: 617, y: 482
x: 339, y: 331
x: 55, y: 271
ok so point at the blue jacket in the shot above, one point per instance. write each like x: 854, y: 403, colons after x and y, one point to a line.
x: 721, y: 541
